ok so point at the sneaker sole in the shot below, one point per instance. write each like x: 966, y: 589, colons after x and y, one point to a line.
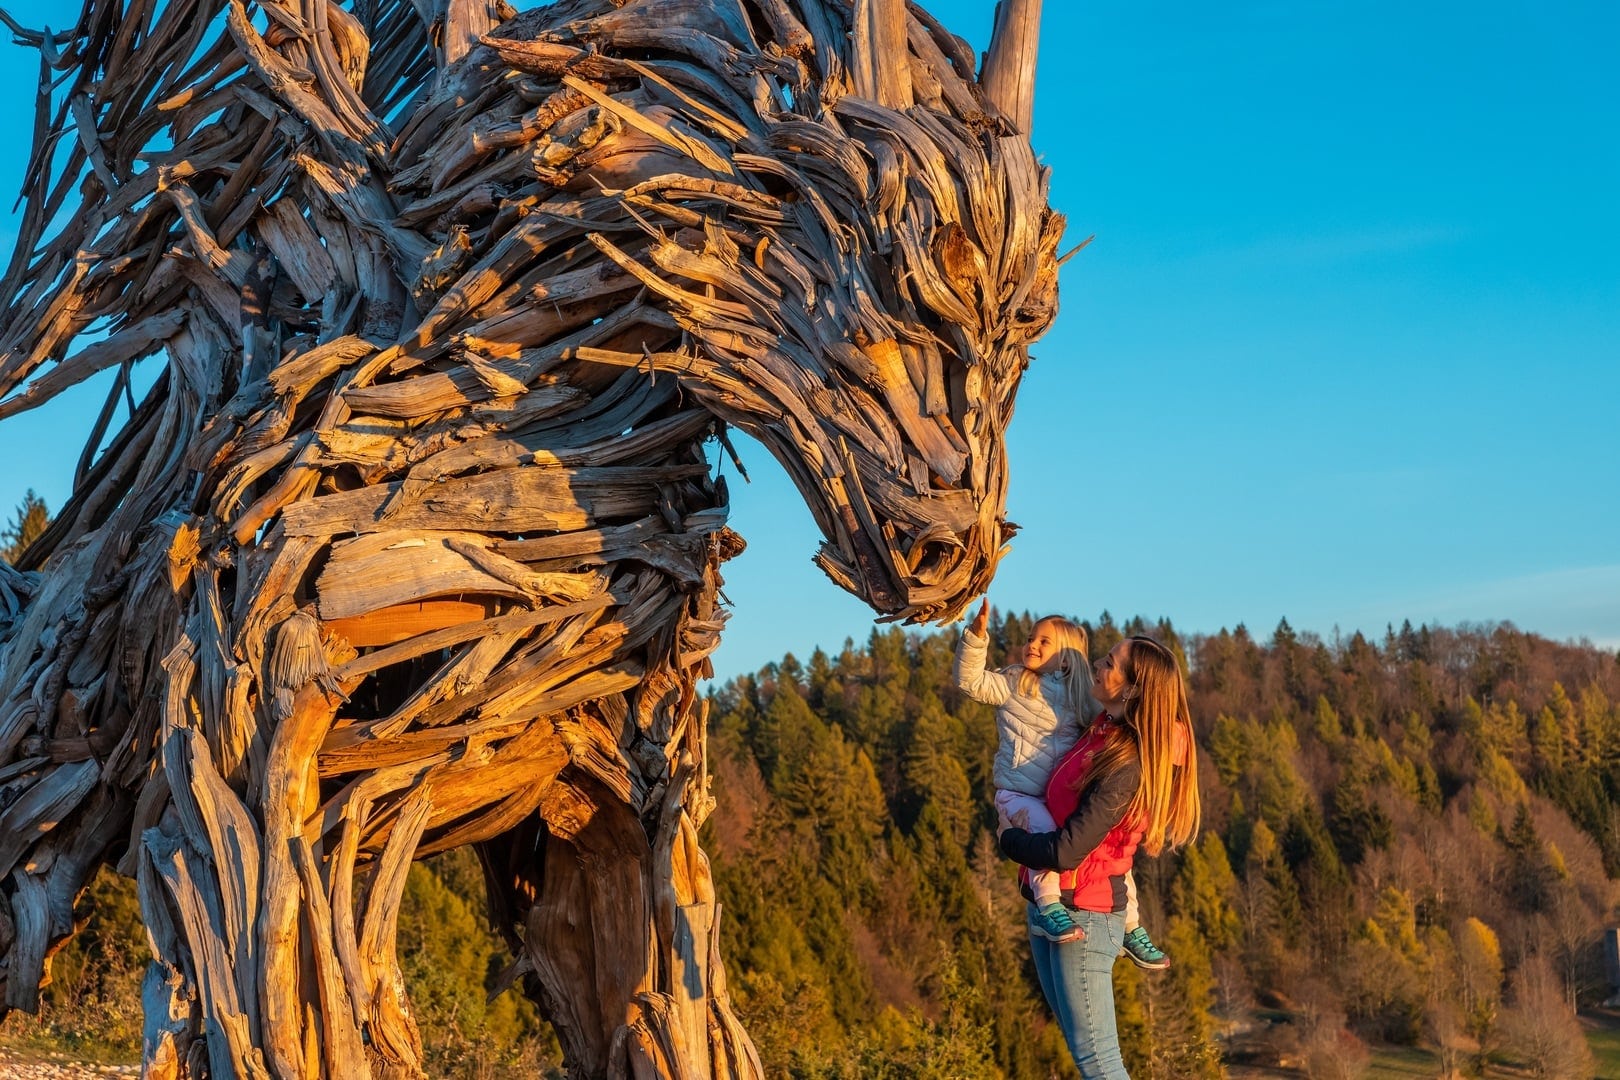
x: 1148, y: 965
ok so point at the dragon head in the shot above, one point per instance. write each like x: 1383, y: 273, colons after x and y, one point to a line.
x: 843, y: 242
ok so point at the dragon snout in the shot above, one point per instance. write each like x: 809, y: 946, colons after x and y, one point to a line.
x: 914, y: 574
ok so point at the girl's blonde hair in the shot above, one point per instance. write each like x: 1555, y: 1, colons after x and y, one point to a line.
x: 1073, y: 666
x: 1166, y: 802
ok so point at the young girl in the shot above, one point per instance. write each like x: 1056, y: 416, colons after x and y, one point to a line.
x: 1041, y: 707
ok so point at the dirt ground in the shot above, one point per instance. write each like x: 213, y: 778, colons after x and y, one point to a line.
x: 15, y: 1065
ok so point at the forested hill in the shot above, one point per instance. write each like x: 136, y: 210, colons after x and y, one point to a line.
x: 1409, y: 841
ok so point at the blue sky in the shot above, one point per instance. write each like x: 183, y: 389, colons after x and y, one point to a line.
x: 1346, y: 348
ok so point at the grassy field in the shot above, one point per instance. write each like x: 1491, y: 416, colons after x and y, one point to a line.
x: 1406, y: 1063
x: 1605, y: 1043
x: 1602, y: 1034
x: 1402, y: 1063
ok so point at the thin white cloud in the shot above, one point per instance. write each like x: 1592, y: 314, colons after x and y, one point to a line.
x: 1572, y: 603
x: 1332, y: 248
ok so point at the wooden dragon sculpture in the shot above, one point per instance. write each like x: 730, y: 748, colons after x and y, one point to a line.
x: 412, y: 541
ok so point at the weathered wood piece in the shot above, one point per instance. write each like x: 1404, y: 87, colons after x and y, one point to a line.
x: 415, y: 539
x: 1009, y: 66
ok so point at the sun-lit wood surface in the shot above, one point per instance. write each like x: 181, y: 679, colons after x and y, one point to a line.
x: 415, y: 539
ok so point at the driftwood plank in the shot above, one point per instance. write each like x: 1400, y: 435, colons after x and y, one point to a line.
x: 395, y: 1032
x: 436, y: 630
x: 393, y: 568
x: 229, y: 1053
x: 121, y: 348
x: 402, y: 622
x: 510, y: 501
x: 290, y: 796
x: 41, y: 807
x: 342, y: 1046
x: 879, y: 43
x: 30, y: 916
x: 297, y: 248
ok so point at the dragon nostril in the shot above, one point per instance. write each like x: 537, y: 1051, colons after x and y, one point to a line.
x: 932, y: 559
x: 934, y: 555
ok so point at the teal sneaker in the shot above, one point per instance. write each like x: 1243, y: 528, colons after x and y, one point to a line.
x: 1054, y: 923
x: 1143, y: 953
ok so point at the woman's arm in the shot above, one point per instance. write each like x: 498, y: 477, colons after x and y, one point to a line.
x: 1100, y: 809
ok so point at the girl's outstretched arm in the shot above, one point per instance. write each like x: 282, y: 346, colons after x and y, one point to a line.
x: 989, y: 687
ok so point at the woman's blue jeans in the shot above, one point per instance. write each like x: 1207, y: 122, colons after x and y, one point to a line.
x: 1077, y: 978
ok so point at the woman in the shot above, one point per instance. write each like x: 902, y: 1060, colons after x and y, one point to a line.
x: 1129, y: 782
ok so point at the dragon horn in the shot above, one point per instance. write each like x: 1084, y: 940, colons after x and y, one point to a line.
x: 1008, y: 73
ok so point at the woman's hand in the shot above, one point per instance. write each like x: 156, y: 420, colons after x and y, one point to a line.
x: 981, y: 619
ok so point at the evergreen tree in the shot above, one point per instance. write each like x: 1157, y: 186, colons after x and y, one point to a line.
x: 1598, y: 727
x: 1203, y: 893
x: 1566, y: 722
x: 1272, y: 916
x: 934, y: 775
x: 30, y: 521
x: 1322, y: 881
x: 1546, y: 746
x: 1531, y: 874
x: 451, y: 958
x: 1327, y: 727
x: 1183, y: 1037
x: 1357, y: 821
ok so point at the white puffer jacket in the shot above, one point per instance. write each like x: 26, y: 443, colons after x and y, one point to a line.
x: 1032, y: 732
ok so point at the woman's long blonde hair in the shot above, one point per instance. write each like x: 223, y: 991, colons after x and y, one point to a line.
x: 1073, y: 667
x: 1166, y: 802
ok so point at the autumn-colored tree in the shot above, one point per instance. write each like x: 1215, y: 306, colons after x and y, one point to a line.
x: 1540, y: 1031
x: 1386, y: 970
x: 1570, y: 931
x: 1547, y: 746
x: 1478, y: 978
